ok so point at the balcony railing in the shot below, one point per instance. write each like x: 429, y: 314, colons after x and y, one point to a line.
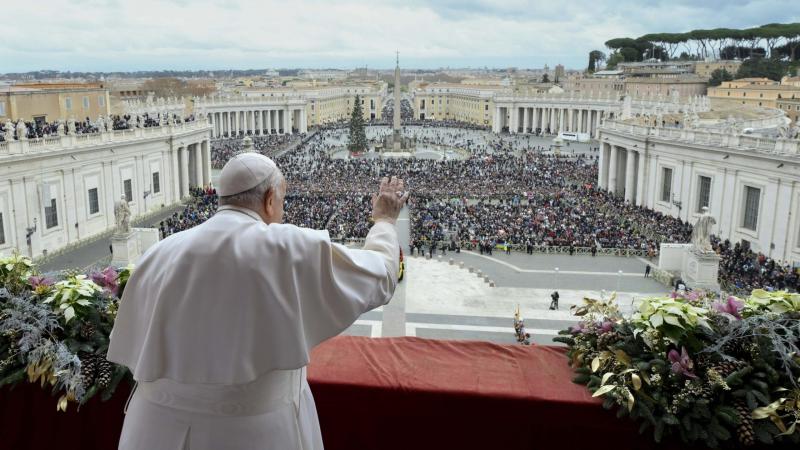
x: 709, y: 138
x: 83, y: 140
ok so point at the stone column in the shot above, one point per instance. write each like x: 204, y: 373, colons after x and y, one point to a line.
x: 198, y: 163
x: 205, y: 149
x: 630, y: 176
x: 534, y: 119
x: 175, y: 175
x: 641, y: 163
x: 612, y: 170
x: 184, y: 164
x: 602, y: 172
x: 599, y: 115
x: 253, y: 122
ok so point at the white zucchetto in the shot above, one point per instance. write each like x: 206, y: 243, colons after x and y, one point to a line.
x: 244, y: 172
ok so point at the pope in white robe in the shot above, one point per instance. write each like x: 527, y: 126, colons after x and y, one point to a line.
x: 217, y: 322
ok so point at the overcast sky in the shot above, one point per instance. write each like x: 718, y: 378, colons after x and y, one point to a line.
x: 108, y: 35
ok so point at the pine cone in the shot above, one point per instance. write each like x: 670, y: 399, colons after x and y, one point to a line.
x: 726, y: 368
x: 703, y: 361
x: 737, y: 348
x: 607, y: 339
x: 744, y: 431
x: 88, y: 369
x: 104, y: 372
x: 87, y: 330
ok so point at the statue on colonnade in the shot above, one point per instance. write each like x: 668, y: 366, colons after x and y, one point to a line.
x: 701, y: 233
x: 122, y: 215
x: 9, y: 130
x: 22, y: 131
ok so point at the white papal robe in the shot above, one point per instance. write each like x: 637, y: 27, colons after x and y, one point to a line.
x: 217, y: 323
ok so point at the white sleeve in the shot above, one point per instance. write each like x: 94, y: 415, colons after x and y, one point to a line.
x: 351, y: 282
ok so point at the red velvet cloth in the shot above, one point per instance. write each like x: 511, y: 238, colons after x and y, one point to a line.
x: 395, y: 393
x: 412, y: 393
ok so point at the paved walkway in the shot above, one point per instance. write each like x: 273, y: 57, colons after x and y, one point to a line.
x: 441, y: 300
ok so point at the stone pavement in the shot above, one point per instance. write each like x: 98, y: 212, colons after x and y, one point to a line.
x: 441, y: 300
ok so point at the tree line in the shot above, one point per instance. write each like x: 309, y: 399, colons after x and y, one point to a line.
x: 774, y: 41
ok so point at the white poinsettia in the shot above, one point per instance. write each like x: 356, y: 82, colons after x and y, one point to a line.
x: 71, y: 294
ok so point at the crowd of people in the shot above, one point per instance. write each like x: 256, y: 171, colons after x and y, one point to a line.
x: 42, y: 129
x: 742, y: 270
x: 507, y: 193
x: 223, y: 149
x: 201, y: 207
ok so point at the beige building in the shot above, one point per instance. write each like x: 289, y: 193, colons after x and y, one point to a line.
x: 685, y: 86
x: 448, y: 101
x: 325, y: 103
x: 49, y: 102
x: 790, y: 106
x: 704, y: 69
x: 336, y: 102
x: 600, y: 86
x: 751, y: 91
x: 639, y: 87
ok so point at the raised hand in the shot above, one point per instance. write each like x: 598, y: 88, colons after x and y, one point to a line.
x: 388, y: 202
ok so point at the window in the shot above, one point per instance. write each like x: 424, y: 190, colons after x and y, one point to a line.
x: 94, y: 202
x: 2, y: 109
x: 68, y: 103
x: 2, y: 231
x: 703, y: 193
x: 51, y: 214
x: 156, y: 183
x: 666, y: 184
x: 126, y: 186
x: 752, y: 197
x: 101, y: 100
x: 85, y: 102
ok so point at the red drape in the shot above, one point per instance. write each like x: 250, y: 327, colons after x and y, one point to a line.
x: 394, y: 393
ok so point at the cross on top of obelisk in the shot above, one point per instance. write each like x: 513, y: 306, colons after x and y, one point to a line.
x: 398, y: 58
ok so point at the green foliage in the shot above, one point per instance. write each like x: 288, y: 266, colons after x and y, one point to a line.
x: 762, y: 68
x: 357, y: 135
x: 709, y: 43
x: 761, y: 301
x: 15, y: 271
x: 738, y: 390
x: 613, y: 60
x: 718, y: 76
x: 595, y: 57
x: 57, y: 332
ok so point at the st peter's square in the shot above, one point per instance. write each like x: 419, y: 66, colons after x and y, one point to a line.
x: 389, y: 225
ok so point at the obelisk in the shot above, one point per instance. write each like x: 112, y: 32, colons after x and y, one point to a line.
x: 397, y: 139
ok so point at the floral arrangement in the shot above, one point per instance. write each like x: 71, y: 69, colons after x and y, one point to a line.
x: 56, y: 332
x: 724, y: 372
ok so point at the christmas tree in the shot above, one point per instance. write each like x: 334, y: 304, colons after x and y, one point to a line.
x: 358, y: 137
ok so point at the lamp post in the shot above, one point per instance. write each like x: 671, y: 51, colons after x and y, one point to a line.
x: 556, y: 279
x: 28, y: 233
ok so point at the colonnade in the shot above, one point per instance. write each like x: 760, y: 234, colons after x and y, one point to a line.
x: 547, y: 119
x: 258, y: 121
x: 621, y: 172
x: 191, y: 167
